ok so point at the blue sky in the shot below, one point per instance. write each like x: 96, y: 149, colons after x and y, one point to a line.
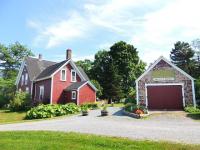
x: 86, y: 26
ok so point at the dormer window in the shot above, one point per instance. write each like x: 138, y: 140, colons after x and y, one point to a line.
x: 63, y: 75
x: 73, y: 76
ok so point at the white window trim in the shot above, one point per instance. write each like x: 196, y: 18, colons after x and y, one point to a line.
x: 71, y: 75
x: 22, y: 79
x: 40, y: 93
x: 61, y: 75
x: 27, y: 89
x: 73, y: 92
x: 26, y: 78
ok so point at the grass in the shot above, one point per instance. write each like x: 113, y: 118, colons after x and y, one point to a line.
x: 7, y: 116
x: 39, y: 140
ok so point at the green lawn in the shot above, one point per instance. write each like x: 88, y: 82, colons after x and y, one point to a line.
x: 10, y: 117
x: 59, y: 140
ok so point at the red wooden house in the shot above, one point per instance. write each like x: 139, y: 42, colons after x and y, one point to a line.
x: 51, y: 83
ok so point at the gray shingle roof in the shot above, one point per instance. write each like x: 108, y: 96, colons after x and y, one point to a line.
x: 83, y: 73
x: 39, y: 69
x: 36, y: 66
x: 75, y: 86
x: 50, y: 70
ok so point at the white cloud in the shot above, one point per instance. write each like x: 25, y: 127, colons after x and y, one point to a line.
x: 153, y: 26
x: 57, y: 33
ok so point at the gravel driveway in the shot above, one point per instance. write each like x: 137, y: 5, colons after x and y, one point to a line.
x: 159, y: 126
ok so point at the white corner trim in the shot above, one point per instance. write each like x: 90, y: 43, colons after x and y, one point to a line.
x: 137, y: 93
x: 82, y: 85
x: 164, y: 84
x: 171, y: 64
x: 77, y: 99
x: 51, y: 96
x: 20, y: 72
x: 193, y: 94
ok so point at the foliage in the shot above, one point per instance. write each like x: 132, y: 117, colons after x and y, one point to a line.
x: 128, y: 64
x: 116, y: 70
x: 48, y: 111
x: 7, y: 91
x: 106, y: 74
x: 84, y: 108
x: 104, y: 108
x: 21, y: 101
x: 98, y: 86
x: 130, y: 100
x: 90, y: 105
x: 182, y: 55
x: 130, y: 107
x: 197, y: 88
x: 86, y: 65
x: 11, y: 58
x: 192, y: 109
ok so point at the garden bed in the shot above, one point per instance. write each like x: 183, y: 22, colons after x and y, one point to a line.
x: 135, y: 111
x: 137, y: 116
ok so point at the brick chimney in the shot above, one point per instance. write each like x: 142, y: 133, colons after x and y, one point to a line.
x: 40, y: 57
x: 68, y: 54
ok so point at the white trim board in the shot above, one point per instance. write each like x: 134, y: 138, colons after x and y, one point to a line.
x: 20, y: 72
x: 164, y: 84
x: 171, y: 64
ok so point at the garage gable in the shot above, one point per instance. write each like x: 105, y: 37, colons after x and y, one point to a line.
x: 164, y: 73
x: 169, y: 63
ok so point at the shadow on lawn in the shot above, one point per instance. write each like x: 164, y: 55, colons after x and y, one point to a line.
x: 195, y: 116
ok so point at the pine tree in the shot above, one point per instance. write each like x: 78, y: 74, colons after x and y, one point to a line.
x: 182, y: 55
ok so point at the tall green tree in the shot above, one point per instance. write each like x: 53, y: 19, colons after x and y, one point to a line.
x: 106, y: 74
x: 182, y: 55
x: 11, y: 57
x: 86, y: 65
x: 125, y: 58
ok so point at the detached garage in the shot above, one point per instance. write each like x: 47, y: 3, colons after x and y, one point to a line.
x: 164, y: 86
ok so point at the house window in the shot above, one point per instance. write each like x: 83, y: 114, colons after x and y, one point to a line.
x: 22, y: 80
x: 63, y: 75
x: 73, y: 94
x: 73, y: 76
x: 41, y: 94
x: 27, y: 89
x: 26, y: 78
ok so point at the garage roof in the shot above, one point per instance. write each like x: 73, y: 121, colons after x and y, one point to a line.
x: 171, y: 64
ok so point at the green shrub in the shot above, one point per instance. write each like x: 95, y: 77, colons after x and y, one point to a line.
x: 20, y: 102
x: 48, y: 111
x: 192, y: 109
x: 90, y: 105
x: 129, y: 100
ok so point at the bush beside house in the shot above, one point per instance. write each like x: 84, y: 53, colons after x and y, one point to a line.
x: 20, y: 102
x: 48, y: 111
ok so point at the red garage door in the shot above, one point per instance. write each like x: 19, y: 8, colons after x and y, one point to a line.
x: 165, y: 97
